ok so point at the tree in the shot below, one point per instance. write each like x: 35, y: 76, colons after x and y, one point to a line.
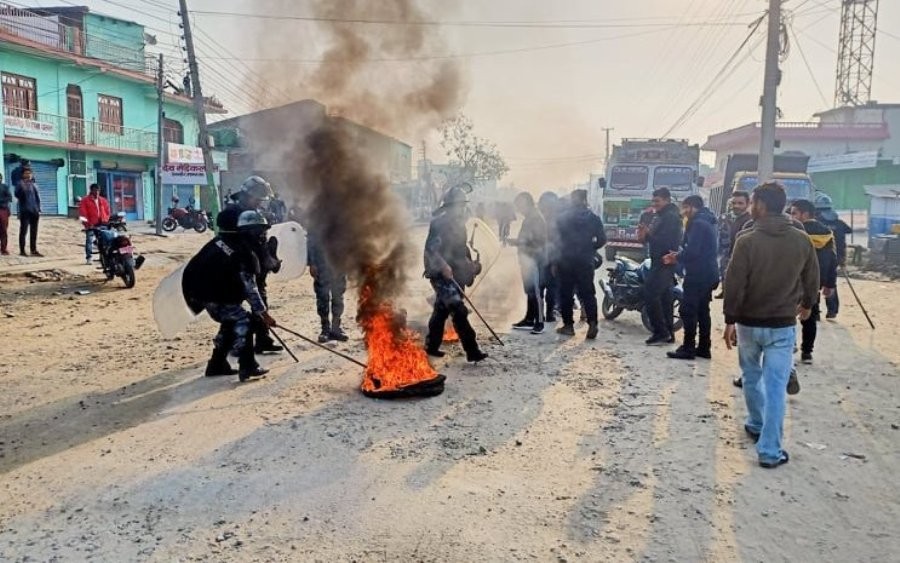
x: 479, y: 157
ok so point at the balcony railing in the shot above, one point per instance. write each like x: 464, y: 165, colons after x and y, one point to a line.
x: 28, y: 124
x: 46, y: 31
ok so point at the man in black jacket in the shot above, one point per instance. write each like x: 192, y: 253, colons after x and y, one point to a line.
x: 581, y: 235
x: 663, y: 236
x: 698, y: 258
x: 824, y: 243
x: 826, y: 215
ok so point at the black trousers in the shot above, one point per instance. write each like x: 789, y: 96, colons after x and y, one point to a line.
x: 330, y: 289
x: 809, y: 329
x: 28, y: 225
x: 260, y: 330
x: 695, y: 314
x: 577, y: 279
x: 658, y: 298
x: 448, y: 303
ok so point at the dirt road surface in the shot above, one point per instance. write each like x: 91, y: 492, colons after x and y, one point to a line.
x: 114, y: 447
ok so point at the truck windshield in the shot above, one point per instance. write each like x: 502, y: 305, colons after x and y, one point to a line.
x: 629, y: 177
x: 676, y: 178
x: 796, y: 188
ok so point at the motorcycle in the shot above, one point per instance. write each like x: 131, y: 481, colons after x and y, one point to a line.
x: 116, y: 250
x: 625, y: 291
x: 186, y: 218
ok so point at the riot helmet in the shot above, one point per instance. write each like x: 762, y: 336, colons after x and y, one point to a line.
x: 257, y: 188
x: 252, y: 223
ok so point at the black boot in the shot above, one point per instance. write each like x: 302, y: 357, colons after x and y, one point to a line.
x: 336, y: 332
x: 265, y: 344
x: 325, y: 335
x: 248, y: 366
x: 683, y: 353
x: 218, y: 364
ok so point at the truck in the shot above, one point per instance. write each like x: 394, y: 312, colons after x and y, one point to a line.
x: 741, y: 174
x: 635, y: 169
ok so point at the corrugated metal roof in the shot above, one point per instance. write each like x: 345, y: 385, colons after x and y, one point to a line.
x: 883, y: 190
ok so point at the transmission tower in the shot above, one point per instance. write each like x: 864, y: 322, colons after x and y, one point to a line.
x: 856, y: 55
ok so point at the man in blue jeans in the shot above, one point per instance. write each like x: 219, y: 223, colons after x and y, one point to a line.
x: 773, y: 277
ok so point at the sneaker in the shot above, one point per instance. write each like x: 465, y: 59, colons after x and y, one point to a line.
x: 434, y: 353
x: 793, y: 385
x: 738, y: 382
x: 776, y: 463
x: 682, y: 353
x: 657, y: 340
x: 324, y: 336
x: 831, y: 316
x: 476, y: 356
x: 566, y: 330
x: 806, y: 358
x: 704, y: 353
x: 538, y: 328
x: 37, y: 254
x: 339, y: 335
x: 524, y: 324
x: 592, y: 331
x: 252, y: 373
x: 88, y: 261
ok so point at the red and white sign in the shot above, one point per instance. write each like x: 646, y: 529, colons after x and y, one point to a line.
x: 184, y: 174
x: 183, y: 154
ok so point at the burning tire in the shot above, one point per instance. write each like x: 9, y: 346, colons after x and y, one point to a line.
x: 429, y: 388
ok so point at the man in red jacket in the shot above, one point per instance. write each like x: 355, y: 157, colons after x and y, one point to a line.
x: 93, y: 210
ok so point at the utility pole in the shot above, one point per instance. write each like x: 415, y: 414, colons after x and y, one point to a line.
x: 160, y: 146
x: 606, y: 159
x: 770, y: 91
x: 199, y: 106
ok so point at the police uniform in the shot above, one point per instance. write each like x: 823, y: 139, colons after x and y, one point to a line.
x: 446, y: 246
x: 329, y: 286
x: 218, y: 280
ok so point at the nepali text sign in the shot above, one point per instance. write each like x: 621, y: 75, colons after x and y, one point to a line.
x: 29, y: 128
x: 184, y: 174
x: 852, y: 161
x: 183, y: 154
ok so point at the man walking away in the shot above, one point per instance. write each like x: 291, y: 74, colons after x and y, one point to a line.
x: 532, y: 245
x: 93, y: 210
x: 548, y: 205
x: 5, y: 201
x: 823, y: 240
x: 826, y: 215
x: 732, y: 223
x: 772, y: 270
x: 663, y: 236
x: 450, y: 268
x: 698, y: 258
x: 581, y: 235
x: 29, y: 211
x: 329, y: 286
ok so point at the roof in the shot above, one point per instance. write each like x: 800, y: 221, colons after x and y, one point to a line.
x: 883, y: 190
x: 233, y: 121
x: 77, y: 11
x: 807, y: 131
x: 870, y: 105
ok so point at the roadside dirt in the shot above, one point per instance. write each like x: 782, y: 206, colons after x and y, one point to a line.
x: 113, y: 447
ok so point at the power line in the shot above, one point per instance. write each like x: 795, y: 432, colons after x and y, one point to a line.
x: 808, y: 67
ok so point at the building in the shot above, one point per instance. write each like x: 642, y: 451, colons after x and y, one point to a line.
x: 850, y: 147
x: 80, y: 104
x: 255, y: 143
x: 884, y: 210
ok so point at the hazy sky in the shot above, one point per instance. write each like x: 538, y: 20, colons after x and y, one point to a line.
x: 546, y: 108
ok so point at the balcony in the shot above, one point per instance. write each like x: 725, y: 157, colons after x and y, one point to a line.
x: 45, y: 33
x: 33, y: 128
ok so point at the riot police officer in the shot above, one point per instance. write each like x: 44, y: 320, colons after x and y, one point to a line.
x: 450, y: 268
x: 254, y: 192
x: 218, y: 280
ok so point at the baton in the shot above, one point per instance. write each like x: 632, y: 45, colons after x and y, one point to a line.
x: 326, y: 348
x: 280, y: 341
x: 472, y: 305
x: 861, y: 306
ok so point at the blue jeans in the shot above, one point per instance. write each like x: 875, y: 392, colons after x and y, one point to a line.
x: 766, y: 357
x: 88, y: 244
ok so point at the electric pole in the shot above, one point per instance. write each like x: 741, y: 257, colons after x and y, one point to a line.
x: 606, y: 159
x: 199, y: 107
x: 770, y: 90
x: 160, y: 145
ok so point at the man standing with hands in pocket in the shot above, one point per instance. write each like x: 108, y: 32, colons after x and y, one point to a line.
x: 773, y: 277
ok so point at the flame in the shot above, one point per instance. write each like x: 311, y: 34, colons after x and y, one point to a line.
x: 450, y: 335
x: 396, y: 359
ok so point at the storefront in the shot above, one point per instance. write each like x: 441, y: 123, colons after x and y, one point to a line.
x: 123, y: 184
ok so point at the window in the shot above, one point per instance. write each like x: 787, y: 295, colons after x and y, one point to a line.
x: 110, y: 114
x: 19, y: 96
x: 173, y: 132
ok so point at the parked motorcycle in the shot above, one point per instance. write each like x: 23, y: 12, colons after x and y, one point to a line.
x: 116, y: 250
x: 186, y: 218
x: 625, y: 291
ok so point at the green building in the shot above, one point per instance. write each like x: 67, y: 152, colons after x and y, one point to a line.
x: 80, y: 104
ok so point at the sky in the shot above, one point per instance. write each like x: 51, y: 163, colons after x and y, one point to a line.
x: 634, y: 66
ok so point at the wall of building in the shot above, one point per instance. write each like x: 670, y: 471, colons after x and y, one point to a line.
x: 847, y: 187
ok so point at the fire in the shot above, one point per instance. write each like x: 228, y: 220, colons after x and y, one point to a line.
x: 450, y: 335
x: 396, y: 359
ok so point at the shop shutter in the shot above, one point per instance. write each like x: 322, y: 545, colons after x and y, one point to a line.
x: 45, y: 176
